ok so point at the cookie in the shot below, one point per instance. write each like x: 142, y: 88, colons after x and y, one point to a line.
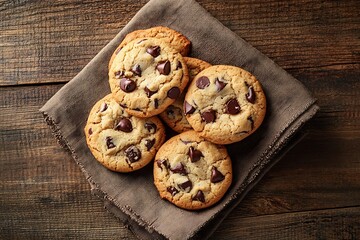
x: 225, y: 104
x: 147, y: 76
x: 174, y: 115
x: 192, y: 173
x: 119, y: 141
x: 177, y: 41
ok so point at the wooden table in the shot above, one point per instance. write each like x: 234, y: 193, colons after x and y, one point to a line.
x: 313, y: 193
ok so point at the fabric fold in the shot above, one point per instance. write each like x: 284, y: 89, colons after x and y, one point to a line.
x: 290, y: 106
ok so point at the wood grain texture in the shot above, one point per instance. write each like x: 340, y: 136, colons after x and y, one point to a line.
x: 314, y: 191
x: 43, y: 41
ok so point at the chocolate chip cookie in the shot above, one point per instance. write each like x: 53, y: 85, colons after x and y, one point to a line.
x: 174, y: 115
x: 119, y: 141
x: 177, y: 41
x: 147, y: 76
x: 225, y: 104
x: 191, y: 172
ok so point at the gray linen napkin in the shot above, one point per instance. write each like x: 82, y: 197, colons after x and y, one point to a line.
x: 132, y: 197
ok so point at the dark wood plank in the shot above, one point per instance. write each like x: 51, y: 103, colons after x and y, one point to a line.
x: 44, y: 41
x: 331, y: 224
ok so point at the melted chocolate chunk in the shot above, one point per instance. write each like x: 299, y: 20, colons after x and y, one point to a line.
x: 124, y: 125
x: 186, y: 186
x: 149, y: 144
x: 151, y: 127
x: 178, y: 65
x: 133, y: 154
x: 199, y: 196
x: 188, y: 109
x: 251, y: 121
x: 109, y: 142
x: 119, y: 74
x: 173, y: 93
x: 173, y: 191
x: 90, y: 131
x: 156, y: 103
x: 148, y: 92
x: 232, y: 107
x: 164, y: 67
x: 209, y: 116
x: 194, y: 154
x: 136, y: 69
x: 153, y: 51
x: 179, y: 168
x: 103, y: 107
x: 162, y: 162
x: 202, y: 82
x: 250, y: 96
x: 219, y: 84
x: 127, y: 85
x: 216, y: 176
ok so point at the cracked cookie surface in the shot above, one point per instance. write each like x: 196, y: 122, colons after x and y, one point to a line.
x: 191, y: 172
x: 225, y: 104
x: 119, y: 141
x: 174, y: 115
x: 147, y: 75
x: 177, y: 41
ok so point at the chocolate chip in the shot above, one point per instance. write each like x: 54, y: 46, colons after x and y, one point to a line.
x: 109, y: 142
x: 103, y: 107
x: 137, y: 109
x: 194, y: 154
x: 216, y: 176
x: 173, y: 93
x: 119, y: 74
x: 153, y: 51
x: 232, y: 107
x: 250, y: 96
x: 199, y: 196
x: 173, y: 191
x: 251, y: 121
x: 178, y: 65
x: 188, y: 109
x: 202, y: 82
x: 90, y: 131
x: 136, y: 69
x: 164, y: 67
x: 149, y: 144
x: 151, y: 127
x: 127, y: 85
x: 186, y: 186
x: 219, y: 84
x: 162, y: 162
x: 133, y: 154
x: 148, y: 92
x: 123, y: 105
x: 124, y: 125
x: 179, y: 168
x: 156, y: 103
x: 209, y: 116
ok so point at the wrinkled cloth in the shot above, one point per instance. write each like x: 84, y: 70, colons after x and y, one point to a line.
x: 132, y: 197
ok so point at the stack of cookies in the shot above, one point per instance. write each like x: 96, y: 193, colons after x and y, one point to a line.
x: 209, y: 106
